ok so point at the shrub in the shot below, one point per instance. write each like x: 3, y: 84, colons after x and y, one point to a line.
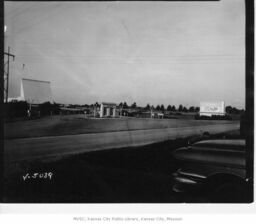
x: 16, y: 109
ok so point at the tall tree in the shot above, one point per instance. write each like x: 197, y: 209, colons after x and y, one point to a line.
x: 232, y: 110
x: 180, y: 108
x: 229, y: 109
x: 162, y: 108
x: 147, y: 107
x: 185, y: 109
x: 125, y: 106
x: 191, y: 109
x: 134, y: 105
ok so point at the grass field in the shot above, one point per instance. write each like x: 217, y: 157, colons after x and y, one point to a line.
x: 77, y: 124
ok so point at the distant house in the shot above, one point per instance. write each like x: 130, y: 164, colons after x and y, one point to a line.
x: 160, y: 115
x: 157, y: 114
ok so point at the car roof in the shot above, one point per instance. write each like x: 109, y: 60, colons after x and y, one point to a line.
x: 221, y: 152
x: 222, y: 143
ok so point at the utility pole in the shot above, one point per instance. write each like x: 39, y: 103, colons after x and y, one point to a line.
x: 7, y: 73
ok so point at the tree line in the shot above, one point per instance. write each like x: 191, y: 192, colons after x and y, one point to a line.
x: 161, y: 107
x: 180, y: 108
x: 171, y: 108
x: 21, y: 108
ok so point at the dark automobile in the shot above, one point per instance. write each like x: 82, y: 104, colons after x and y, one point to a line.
x: 214, y: 169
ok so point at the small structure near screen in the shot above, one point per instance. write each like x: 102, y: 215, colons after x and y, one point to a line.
x: 108, y: 110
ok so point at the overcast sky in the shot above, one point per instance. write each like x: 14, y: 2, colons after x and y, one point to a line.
x: 147, y: 52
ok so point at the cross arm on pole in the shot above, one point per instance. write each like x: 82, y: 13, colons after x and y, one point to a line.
x: 13, y: 56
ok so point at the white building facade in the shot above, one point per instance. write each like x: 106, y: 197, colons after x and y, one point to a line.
x: 108, y: 110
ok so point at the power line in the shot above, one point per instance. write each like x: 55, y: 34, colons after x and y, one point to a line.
x: 7, y: 73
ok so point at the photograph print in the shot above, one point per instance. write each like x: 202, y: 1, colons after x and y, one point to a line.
x: 127, y: 102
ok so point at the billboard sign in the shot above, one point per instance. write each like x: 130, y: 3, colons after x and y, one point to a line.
x: 212, y: 107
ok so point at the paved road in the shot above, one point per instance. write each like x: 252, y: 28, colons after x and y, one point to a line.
x: 43, y: 147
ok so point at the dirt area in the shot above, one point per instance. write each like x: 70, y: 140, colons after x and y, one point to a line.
x: 66, y: 125
x: 140, y: 174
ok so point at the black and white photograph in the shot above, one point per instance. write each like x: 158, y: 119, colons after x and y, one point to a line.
x: 127, y: 102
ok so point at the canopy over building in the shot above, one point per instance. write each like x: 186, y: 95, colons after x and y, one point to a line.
x: 36, y: 91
